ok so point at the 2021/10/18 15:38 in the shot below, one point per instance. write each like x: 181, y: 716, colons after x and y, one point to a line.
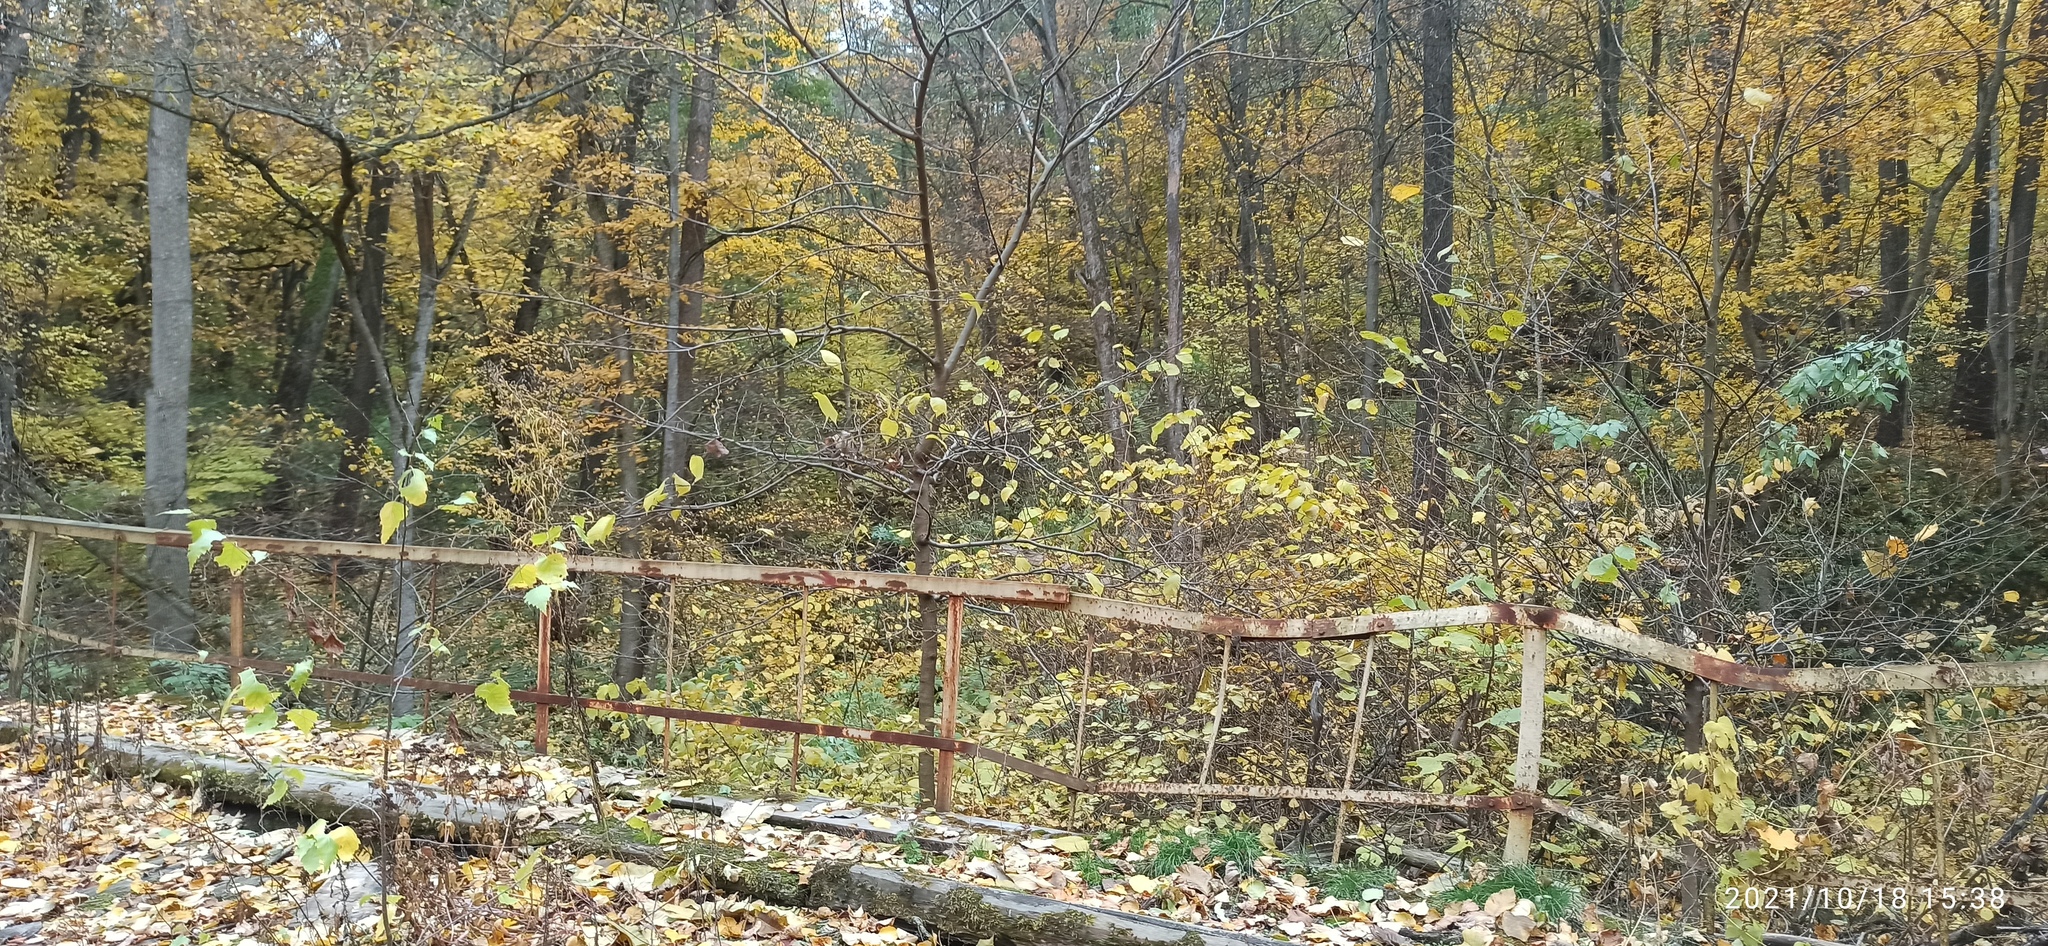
x: 1859, y: 898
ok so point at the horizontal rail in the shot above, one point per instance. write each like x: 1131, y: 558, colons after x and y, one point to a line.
x: 1897, y: 676
x: 1363, y: 796
x: 535, y: 697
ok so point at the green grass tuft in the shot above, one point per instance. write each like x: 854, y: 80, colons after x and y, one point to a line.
x: 1175, y: 850
x: 1351, y: 881
x: 1242, y: 848
x: 1554, y: 897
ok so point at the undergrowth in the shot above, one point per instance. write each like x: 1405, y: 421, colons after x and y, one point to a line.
x: 1553, y: 896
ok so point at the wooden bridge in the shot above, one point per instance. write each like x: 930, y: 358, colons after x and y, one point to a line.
x: 1536, y: 623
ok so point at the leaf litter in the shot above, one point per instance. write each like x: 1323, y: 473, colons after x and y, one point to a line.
x: 84, y: 859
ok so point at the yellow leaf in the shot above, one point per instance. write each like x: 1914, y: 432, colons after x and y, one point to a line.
x: 1402, y: 192
x: 1734, y: 586
x: 938, y: 406
x: 1809, y: 507
x: 1141, y: 884
x: 825, y: 407
x: 653, y: 499
x: 523, y: 577
x: 1879, y: 564
x: 696, y: 468
x: 825, y: 355
x: 346, y: 844
x: 1943, y: 291
x: 1070, y: 843
x: 2011, y: 597
x: 390, y: 517
x: 1926, y: 532
x: 789, y: 335
x: 890, y: 428
x: 1777, y: 839
x: 601, y: 531
x: 1757, y: 97
x: 414, y: 489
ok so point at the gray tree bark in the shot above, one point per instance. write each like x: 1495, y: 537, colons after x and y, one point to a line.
x: 1175, y: 120
x: 168, y: 412
x: 1439, y: 154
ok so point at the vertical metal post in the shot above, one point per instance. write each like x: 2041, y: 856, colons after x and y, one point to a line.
x: 25, y: 618
x: 668, y: 683
x: 803, y: 642
x: 949, y: 712
x: 114, y: 597
x: 1081, y: 724
x: 235, y: 597
x: 1528, y: 747
x: 1215, y: 720
x: 541, y: 682
x: 1351, y: 752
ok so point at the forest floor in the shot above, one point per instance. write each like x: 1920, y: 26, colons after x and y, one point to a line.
x: 86, y: 859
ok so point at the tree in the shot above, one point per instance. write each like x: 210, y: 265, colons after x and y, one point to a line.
x: 170, y: 308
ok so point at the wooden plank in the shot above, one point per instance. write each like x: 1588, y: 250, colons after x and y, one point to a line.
x: 949, y: 712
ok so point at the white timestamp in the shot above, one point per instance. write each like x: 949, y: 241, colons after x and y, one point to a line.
x: 1862, y: 897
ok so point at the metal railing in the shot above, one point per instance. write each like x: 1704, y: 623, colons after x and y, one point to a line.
x: 1536, y: 624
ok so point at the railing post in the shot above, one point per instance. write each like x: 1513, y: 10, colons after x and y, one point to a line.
x: 24, y: 619
x: 114, y: 597
x: 541, y: 681
x: 949, y: 712
x: 1081, y: 725
x: 235, y: 598
x: 1528, y: 747
x: 803, y: 643
x: 1215, y: 720
x: 1351, y: 752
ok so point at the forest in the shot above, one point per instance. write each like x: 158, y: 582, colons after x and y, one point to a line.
x: 1234, y: 471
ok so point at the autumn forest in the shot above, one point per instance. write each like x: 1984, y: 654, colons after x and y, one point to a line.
x: 1697, y: 348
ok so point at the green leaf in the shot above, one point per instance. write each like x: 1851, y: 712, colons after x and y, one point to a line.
x: 825, y: 407
x: 1603, y: 570
x: 389, y: 519
x: 789, y: 335
x: 301, y: 672
x: 278, y: 786
x: 1393, y: 376
x: 260, y: 722
x: 497, y: 695
x: 938, y: 406
x: 1507, y: 718
x: 523, y: 577
x: 204, y: 535
x: 316, y: 851
x: 414, y: 489
x: 653, y: 499
x: 1514, y: 318
x: 553, y: 571
x: 303, y: 718
x: 1915, y: 796
x: 537, y: 598
x: 601, y: 531
x: 233, y: 558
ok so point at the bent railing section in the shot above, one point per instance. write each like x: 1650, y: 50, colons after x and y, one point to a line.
x: 1537, y: 623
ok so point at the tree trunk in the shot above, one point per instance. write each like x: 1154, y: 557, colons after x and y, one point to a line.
x: 295, y: 382
x: 540, y: 248
x: 170, y: 332
x: 1607, y: 62
x: 688, y: 244
x: 2019, y: 246
x: 1894, y: 279
x: 1174, y: 118
x: 1376, y: 197
x: 14, y: 32
x: 1241, y: 155
x: 1439, y: 156
x: 1078, y: 164
x: 1971, y: 399
x: 359, y: 413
